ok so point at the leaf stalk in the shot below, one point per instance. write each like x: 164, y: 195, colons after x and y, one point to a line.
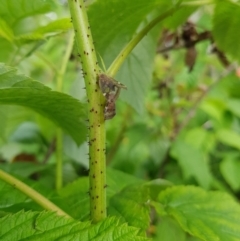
x: 117, y: 63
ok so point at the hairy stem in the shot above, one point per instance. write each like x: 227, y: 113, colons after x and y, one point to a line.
x: 34, y: 195
x: 131, y: 45
x: 59, y: 135
x: 97, y: 163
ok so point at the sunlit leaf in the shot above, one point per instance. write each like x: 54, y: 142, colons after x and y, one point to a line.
x: 129, y: 202
x: 192, y: 162
x: 229, y: 137
x: 210, y: 216
x: 49, y: 226
x: 230, y: 167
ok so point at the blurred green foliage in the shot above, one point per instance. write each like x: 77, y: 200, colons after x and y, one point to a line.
x: 179, y: 120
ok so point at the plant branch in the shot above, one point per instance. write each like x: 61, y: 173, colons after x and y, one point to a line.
x: 201, y: 37
x: 131, y: 45
x: 97, y: 159
x: 34, y: 195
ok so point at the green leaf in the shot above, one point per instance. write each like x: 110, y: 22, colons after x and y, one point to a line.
x: 76, y: 198
x: 230, y: 167
x: 129, y: 202
x: 214, y: 107
x: 210, y: 216
x: 192, y: 162
x: 58, y: 25
x: 233, y: 105
x: 229, y: 137
x: 49, y: 226
x: 136, y: 73
x: 51, y: 29
x: 62, y: 109
x: 24, y: 168
x: 179, y: 18
x: 13, y: 200
x: 156, y: 186
x: 6, y: 31
x: 119, y: 20
x: 12, y: 10
x: 9, y: 195
x: 6, y: 49
x: 226, y: 27
x: 168, y: 230
x: 113, y: 177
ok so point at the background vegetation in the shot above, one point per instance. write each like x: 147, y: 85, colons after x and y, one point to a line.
x: 172, y: 150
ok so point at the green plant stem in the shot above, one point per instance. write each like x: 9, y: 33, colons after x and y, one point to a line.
x: 59, y: 159
x: 197, y: 2
x: 117, y: 63
x: 97, y: 159
x: 34, y: 195
x: 59, y: 135
x: 65, y: 60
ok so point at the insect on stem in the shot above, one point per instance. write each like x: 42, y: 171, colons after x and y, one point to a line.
x: 111, y: 90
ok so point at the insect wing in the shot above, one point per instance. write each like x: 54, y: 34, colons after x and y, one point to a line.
x: 108, y: 84
x: 110, y: 107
